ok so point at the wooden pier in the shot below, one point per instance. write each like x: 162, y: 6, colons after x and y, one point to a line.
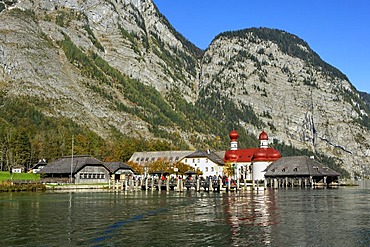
x: 179, y: 185
x: 209, y: 185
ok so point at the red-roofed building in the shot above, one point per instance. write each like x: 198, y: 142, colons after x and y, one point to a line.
x: 250, y: 163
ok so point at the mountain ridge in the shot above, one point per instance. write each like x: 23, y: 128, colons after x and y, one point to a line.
x: 120, y: 67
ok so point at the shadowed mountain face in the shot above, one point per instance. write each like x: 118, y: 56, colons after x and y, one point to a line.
x: 120, y: 67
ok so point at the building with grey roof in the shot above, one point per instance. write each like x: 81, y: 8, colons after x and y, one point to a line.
x: 117, y: 169
x: 208, y: 162
x: 84, y: 169
x: 299, y: 170
x: 145, y: 158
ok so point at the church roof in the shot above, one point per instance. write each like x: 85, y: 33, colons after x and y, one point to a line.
x: 240, y: 155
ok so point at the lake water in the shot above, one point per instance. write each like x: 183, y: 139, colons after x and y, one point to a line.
x: 284, y: 217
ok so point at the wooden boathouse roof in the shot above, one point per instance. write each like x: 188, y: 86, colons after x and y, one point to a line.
x: 63, y: 164
x: 298, y: 166
x: 115, y: 166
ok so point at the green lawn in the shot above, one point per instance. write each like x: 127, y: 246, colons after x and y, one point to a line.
x: 19, y: 176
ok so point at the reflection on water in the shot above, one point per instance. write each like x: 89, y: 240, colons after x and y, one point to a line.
x: 285, y: 217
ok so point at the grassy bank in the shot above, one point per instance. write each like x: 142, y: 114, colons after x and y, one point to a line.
x: 5, y: 176
x: 20, y: 182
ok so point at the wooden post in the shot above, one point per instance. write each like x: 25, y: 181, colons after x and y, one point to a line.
x: 159, y: 184
x: 167, y: 184
x: 152, y: 183
x: 177, y: 184
x: 276, y: 183
x: 131, y: 182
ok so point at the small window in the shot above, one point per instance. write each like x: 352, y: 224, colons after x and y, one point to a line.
x: 137, y: 159
x: 212, y: 169
x: 177, y: 158
x: 295, y: 169
x: 206, y: 169
x: 153, y: 159
x: 283, y: 169
x: 146, y: 159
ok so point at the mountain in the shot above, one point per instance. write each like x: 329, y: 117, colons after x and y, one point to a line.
x: 297, y: 97
x: 115, y: 72
x: 365, y: 97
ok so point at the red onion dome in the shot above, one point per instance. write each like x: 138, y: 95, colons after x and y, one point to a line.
x: 274, y: 154
x: 234, y: 135
x: 263, y: 136
x: 261, y: 154
x: 229, y: 156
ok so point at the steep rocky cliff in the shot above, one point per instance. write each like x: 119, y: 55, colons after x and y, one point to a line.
x: 45, y: 48
x: 120, y: 64
x: 300, y: 99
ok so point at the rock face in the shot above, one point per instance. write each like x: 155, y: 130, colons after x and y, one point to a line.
x: 295, y: 96
x: 130, y: 35
x: 302, y: 100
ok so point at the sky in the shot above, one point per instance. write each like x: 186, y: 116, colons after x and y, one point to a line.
x: 338, y: 31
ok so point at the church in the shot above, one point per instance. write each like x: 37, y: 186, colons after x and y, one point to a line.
x: 250, y: 163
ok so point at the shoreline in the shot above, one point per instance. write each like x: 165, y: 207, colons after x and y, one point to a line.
x: 32, y: 186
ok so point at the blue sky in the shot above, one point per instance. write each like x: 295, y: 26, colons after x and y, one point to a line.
x: 338, y: 31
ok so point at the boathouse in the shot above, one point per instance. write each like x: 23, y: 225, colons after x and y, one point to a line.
x: 119, y: 170
x: 299, y: 171
x: 83, y: 168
